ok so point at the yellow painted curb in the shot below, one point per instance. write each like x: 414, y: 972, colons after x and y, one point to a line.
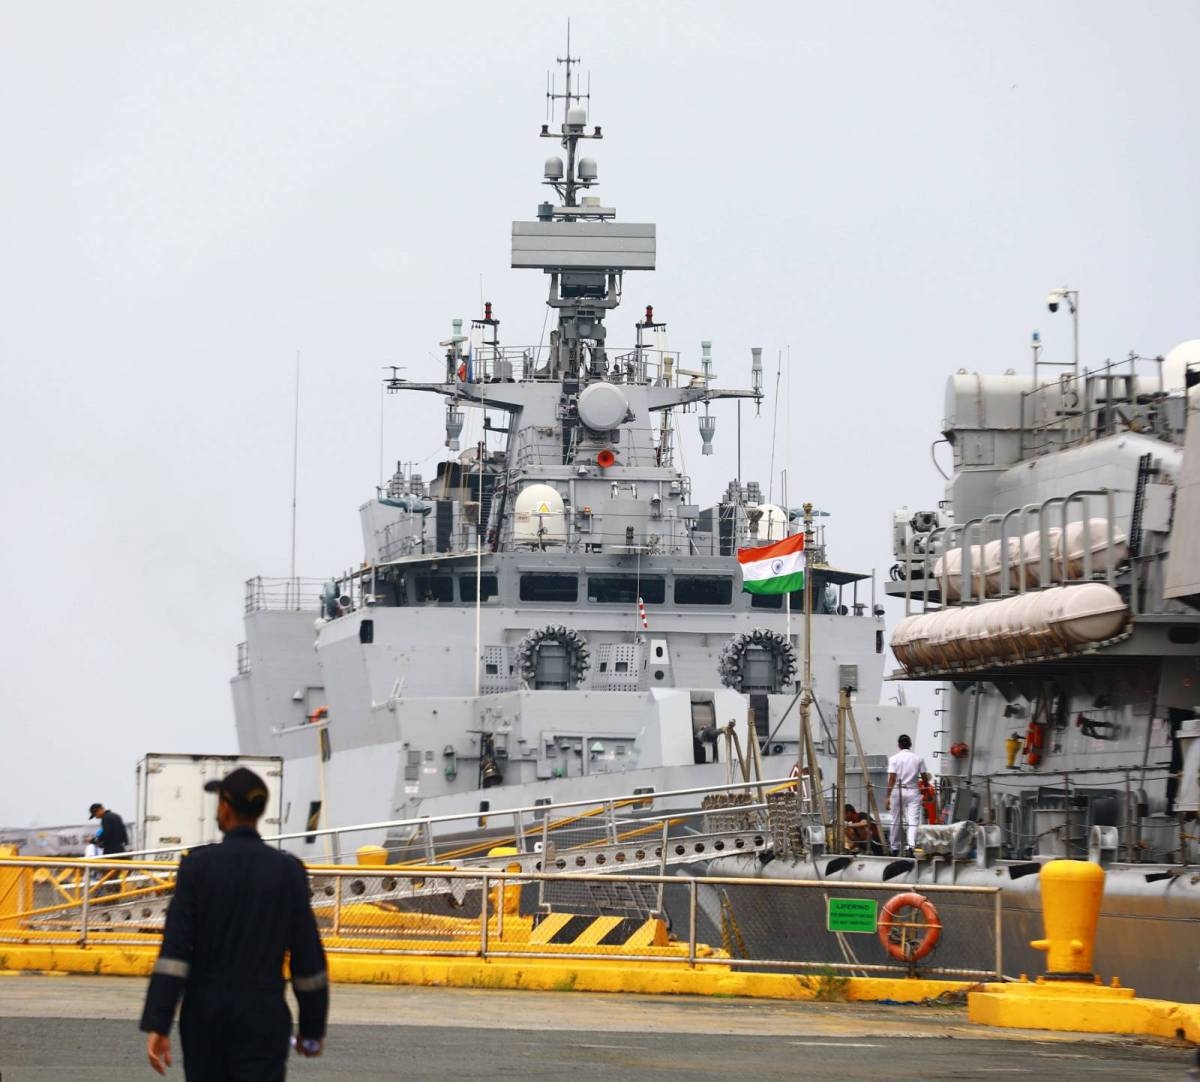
x: 534, y: 974
x: 1082, y: 1008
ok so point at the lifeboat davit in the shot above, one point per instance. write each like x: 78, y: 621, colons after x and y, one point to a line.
x: 1065, y: 558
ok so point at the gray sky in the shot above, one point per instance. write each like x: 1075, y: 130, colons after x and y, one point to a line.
x: 191, y: 193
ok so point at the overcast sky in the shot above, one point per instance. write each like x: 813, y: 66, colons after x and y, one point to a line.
x: 192, y: 193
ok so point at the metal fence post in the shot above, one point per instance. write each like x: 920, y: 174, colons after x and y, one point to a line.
x: 83, y: 909
x: 998, y: 932
x: 692, y: 883
x: 483, y: 917
x: 337, y: 905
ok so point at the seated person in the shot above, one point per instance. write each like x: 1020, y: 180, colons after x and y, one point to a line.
x: 862, y: 832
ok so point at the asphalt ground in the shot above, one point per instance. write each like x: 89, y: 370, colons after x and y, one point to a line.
x: 56, y: 1028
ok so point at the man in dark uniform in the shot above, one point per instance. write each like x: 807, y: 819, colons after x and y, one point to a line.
x: 238, y: 908
x: 111, y: 837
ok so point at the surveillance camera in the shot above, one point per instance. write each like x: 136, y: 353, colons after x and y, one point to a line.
x: 1052, y: 304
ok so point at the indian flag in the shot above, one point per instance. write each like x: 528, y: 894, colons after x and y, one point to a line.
x: 773, y: 569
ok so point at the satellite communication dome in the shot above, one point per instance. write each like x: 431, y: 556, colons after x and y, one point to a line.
x: 539, y: 516
x: 554, y: 168
x: 587, y: 169
x: 577, y: 116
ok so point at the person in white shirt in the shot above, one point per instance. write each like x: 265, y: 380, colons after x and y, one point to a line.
x: 904, y: 771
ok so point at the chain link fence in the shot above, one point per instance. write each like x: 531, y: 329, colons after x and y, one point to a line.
x: 510, y: 911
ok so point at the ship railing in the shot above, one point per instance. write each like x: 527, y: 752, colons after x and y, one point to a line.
x: 468, y: 836
x: 1094, y: 404
x: 639, y: 449
x: 726, y: 922
x: 1052, y: 569
x: 1013, y: 800
x: 243, y: 658
x: 637, y: 366
x: 282, y: 594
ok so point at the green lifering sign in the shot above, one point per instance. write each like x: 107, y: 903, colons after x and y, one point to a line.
x: 851, y: 915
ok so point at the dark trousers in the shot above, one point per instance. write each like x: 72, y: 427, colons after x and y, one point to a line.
x: 234, y: 1035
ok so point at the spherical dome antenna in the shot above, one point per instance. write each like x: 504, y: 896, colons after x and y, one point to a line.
x: 554, y: 168
x: 587, y: 169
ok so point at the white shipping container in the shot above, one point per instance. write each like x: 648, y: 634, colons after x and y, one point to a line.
x: 174, y: 810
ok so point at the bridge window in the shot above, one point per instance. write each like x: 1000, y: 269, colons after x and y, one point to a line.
x: 488, y: 588
x: 549, y: 588
x: 433, y: 588
x: 703, y: 590
x: 623, y: 589
x: 766, y: 601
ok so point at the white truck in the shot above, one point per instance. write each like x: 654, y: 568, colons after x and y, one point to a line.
x: 173, y: 809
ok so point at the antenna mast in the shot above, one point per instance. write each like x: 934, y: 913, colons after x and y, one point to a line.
x: 569, y: 138
x: 295, y: 471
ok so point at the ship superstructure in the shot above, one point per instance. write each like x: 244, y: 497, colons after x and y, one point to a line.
x: 1055, y: 592
x: 1053, y: 597
x: 552, y: 612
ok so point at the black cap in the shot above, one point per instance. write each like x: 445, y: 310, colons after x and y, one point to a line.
x: 93, y: 809
x: 243, y: 790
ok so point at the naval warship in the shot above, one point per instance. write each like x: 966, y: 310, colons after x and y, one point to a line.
x: 1053, y: 597
x: 553, y: 612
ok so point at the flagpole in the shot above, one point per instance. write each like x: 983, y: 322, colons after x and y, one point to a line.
x: 787, y: 526
x: 806, y: 694
x: 479, y: 528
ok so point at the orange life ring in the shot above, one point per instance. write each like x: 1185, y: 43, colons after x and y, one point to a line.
x: 906, y: 949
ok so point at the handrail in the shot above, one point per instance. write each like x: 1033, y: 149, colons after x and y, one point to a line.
x: 428, y: 821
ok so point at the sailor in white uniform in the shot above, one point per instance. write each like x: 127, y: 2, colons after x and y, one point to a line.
x: 904, y: 771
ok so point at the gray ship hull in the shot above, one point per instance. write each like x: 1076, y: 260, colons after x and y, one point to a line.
x: 1146, y: 935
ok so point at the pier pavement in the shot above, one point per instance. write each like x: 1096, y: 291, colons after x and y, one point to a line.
x: 56, y: 1028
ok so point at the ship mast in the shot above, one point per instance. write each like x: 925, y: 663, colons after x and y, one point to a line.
x: 570, y: 138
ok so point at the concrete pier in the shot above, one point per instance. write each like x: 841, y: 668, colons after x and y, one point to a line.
x: 57, y: 1027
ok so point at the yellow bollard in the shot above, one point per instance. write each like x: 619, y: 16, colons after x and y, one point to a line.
x: 1071, y: 894
x: 373, y: 856
x: 512, y: 893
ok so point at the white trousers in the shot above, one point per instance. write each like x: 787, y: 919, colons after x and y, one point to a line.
x: 906, y: 814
